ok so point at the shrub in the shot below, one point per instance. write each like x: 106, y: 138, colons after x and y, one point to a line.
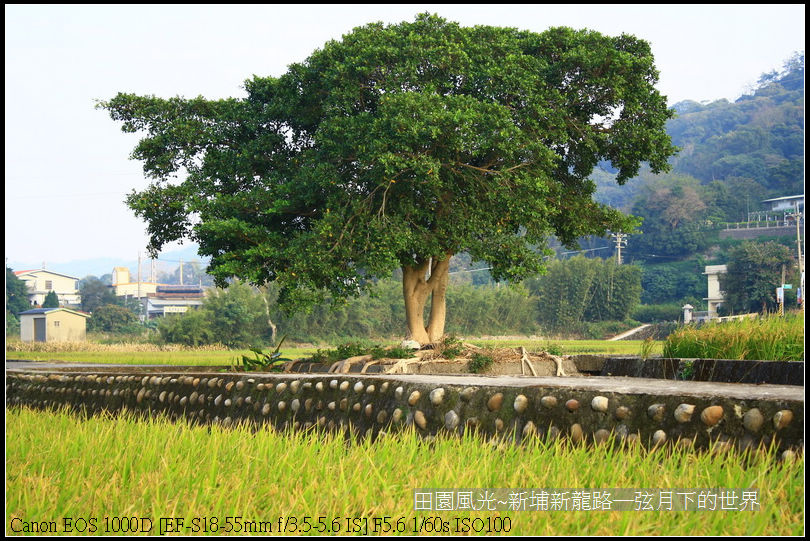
x: 191, y: 329
x: 12, y: 324
x: 479, y: 362
x: 654, y: 313
x: 114, y: 319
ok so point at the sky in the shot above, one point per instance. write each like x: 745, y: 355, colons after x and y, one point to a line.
x: 67, y: 163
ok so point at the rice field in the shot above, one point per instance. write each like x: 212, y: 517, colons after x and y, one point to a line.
x: 126, y: 474
x: 89, y: 352
x: 771, y: 338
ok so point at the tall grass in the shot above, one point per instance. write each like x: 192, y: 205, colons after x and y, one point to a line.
x: 767, y: 338
x: 58, y: 465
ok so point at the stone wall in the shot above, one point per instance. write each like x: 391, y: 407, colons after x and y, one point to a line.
x: 652, y: 412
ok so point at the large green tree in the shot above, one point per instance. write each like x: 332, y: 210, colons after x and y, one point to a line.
x: 95, y: 293
x: 754, y: 271
x: 16, y: 301
x: 397, y: 147
x: 16, y: 294
x: 674, y: 211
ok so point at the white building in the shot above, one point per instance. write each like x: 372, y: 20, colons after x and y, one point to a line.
x: 40, y: 282
x: 716, y: 296
x: 787, y: 203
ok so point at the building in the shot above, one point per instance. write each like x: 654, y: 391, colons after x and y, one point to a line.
x: 777, y: 212
x: 53, y: 325
x: 715, y: 297
x: 41, y: 282
x: 123, y: 286
x: 788, y: 203
x: 173, y: 299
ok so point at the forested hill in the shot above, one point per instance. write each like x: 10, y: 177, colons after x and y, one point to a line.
x: 754, y: 144
x: 760, y: 136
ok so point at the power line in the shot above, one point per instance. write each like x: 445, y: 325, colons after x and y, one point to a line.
x: 66, y: 196
x: 582, y: 251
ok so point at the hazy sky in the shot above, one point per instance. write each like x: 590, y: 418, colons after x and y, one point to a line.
x: 67, y: 164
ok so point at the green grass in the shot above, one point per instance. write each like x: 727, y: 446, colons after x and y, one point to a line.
x: 59, y: 465
x: 769, y: 338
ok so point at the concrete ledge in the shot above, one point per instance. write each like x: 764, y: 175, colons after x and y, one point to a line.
x: 650, y: 411
x: 719, y: 370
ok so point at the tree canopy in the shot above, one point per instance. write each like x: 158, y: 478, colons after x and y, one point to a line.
x: 397, y: 147
x: 754, y: 273
x: 16, y: 294
x: 95, y: 294
x: 51, y: 300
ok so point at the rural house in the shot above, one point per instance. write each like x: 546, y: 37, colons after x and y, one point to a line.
x: 41, y: 282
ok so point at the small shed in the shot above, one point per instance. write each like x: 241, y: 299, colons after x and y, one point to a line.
x: 53, y: 325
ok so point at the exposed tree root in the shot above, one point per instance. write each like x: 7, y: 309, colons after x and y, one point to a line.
x: 400, y: 366
x: 343, y: 367
x: 524, y: 360
x: 557, y: 360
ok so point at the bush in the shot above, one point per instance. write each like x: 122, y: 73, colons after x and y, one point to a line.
x: 191, y: 328
x: 654, y: 313
x: 12, y: 324
x: 479, y: 363
x: 116, y: 319
x: 237, y: 315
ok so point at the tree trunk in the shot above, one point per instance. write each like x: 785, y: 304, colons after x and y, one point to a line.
x: 273, y: 329
x: 416, y: 288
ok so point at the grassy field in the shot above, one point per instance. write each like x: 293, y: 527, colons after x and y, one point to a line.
x: 59, y: 465
x: 89, y: 352
x: 769, y: 338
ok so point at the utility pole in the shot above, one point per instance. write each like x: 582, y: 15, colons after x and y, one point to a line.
x: 781, y: 294
x: 621, y: 241
x: 799, y: 250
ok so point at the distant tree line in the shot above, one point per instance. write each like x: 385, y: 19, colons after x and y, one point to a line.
x: 583, y: 289
x: 240, y: 315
